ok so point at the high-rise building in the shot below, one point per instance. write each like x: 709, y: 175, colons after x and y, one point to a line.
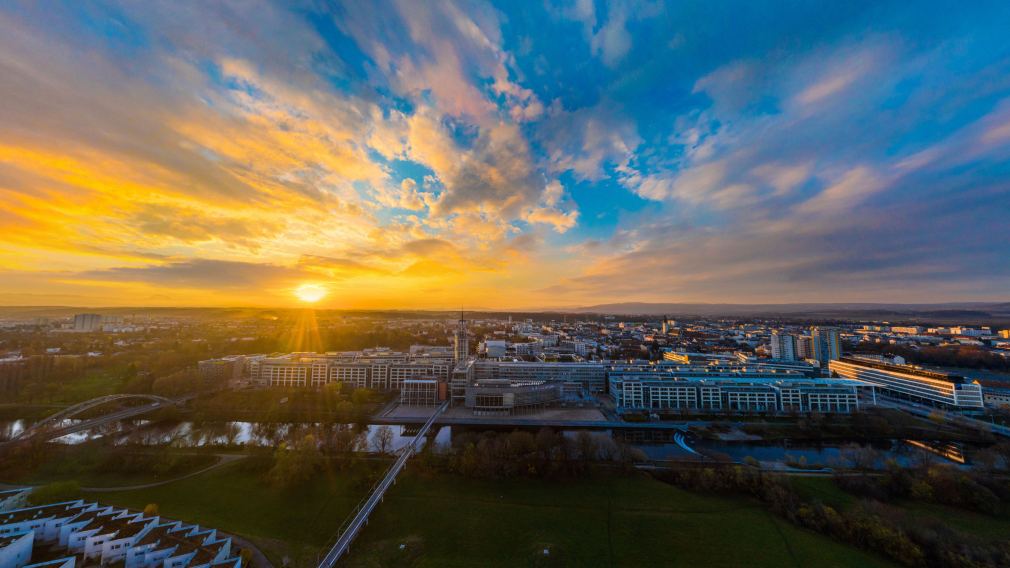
x: 804, y: 347
x: 783, y: 346
x: 87, y: 322
x: 461, y: 341
x: 827, y: 345
x: 666, y: 325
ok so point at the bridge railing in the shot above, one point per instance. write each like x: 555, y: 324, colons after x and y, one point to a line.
x: 352, y: 524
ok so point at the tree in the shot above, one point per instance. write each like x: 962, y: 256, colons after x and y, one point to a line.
x: 383, y: 441
x: 587, y: 445
x: 151, y: 510
x: 295, y: 464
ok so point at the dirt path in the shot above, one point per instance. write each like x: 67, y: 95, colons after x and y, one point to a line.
x: 224, y: 459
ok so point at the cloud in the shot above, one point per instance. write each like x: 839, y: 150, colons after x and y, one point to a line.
x: 202, y: 273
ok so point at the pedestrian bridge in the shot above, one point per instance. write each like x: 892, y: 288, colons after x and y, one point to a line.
x: 50, y: 425
x: 359, y: 517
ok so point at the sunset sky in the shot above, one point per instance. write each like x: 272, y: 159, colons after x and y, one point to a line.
x: 503, y: 155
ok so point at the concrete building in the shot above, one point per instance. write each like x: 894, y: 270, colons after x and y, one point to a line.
x: 495, y: 348
x: 104, y: 535
x: 502, y: 397
x: 16, y: 549
x: 591, y: 376
x: 420, y: 392
x: 996, y: 395
x: 827, y: 345
x: 912, y: 383
x: 805, y: 347
x: 658, y: 391
x: 13, y: 499
x: 380, y: 370
x: 461, y: 341
x: 783, y: 346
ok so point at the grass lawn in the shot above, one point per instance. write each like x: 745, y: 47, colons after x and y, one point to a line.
x: 985, y: 527
x: 293, y: 522
x: 96, y: 465
x: 824, y: 490
x: 448, y: 521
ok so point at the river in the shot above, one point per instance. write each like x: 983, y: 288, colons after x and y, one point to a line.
x: 655, y: 445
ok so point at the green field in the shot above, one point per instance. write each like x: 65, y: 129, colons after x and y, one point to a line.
x: 97, y: 465
x: 609, y: 521
x: 292, y: 522
x: 451, y: 521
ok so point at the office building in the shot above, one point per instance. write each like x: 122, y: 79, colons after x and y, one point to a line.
x: 589, y: 376
x: 783, y: 346
x: 375, y: 369
x: 661, y: 392
x: 502, y: 397
x: 420, y: 392
x: 912, y: 383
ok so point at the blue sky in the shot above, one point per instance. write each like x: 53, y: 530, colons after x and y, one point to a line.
x: 521, y: 154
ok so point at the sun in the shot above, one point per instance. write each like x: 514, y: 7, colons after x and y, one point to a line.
x: 310, y: 293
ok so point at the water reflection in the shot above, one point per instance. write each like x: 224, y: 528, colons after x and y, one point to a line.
x: 656, y: 444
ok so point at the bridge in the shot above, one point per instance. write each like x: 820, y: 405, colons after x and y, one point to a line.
x: 51, y: 427
x: 359, y: 516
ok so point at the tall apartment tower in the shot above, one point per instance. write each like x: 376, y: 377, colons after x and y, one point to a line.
x: 461, y: 341
x: 827, y: 344
x: 804, y: 347
x: 666, y: 325
x: 783, y: 346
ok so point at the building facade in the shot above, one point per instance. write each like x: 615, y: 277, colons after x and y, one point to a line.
x: 908, y: 382
x: 797, y: 394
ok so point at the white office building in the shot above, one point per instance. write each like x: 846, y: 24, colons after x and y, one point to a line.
x: 912, y: 383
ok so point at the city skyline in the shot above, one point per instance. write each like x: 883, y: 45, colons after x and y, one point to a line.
x: 514, y: 155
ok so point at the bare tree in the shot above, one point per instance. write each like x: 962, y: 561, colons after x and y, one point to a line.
x: 383, y: 441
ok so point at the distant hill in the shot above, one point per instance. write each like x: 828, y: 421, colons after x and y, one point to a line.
x: 941, y: 311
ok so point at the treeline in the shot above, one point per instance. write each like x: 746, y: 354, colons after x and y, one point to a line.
x: 967, y: 356
x: 546, y: 454
x: 907, y: 539
x: 972, y: 490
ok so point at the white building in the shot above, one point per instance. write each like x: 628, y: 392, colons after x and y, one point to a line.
x: 652, y: 392
x: 783, y: 346
x: 16, y: 549
x: 933, y: 388
x: 109, y: 535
